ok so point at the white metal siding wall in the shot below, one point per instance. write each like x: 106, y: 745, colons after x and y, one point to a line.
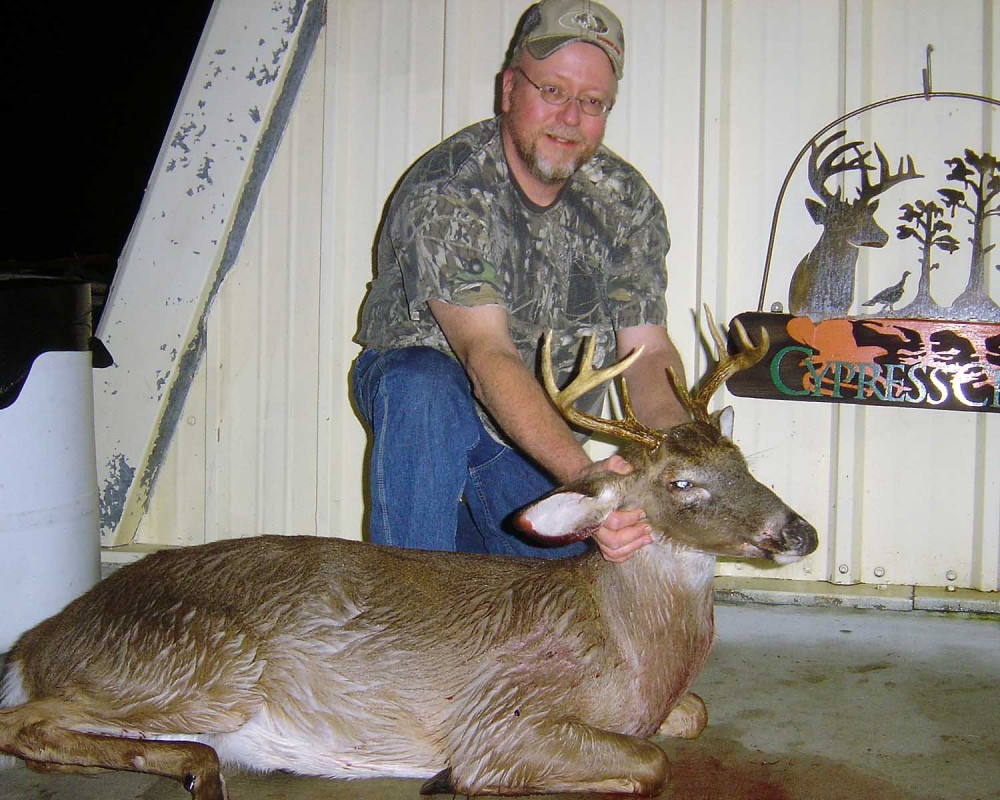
x: 717, y: 99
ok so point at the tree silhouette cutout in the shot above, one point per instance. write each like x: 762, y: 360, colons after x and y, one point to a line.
x: 924, y: 224
x: 980, y: 180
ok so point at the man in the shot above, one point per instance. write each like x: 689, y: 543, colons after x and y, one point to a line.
x: 513, y: 226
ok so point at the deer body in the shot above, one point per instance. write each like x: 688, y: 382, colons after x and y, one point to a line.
x: 329, y: 657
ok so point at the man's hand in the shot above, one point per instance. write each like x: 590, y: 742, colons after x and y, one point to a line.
x: 625, y: 531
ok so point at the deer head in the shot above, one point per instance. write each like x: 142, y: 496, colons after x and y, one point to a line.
x: 854, y: 219
x: 823, y: 282
x: 691, y: 480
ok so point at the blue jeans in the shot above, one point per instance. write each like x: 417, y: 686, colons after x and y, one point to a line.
x: 431, y: 455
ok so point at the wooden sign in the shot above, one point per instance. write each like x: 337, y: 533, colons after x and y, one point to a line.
x: 902, y: 363
x: 910, y: 350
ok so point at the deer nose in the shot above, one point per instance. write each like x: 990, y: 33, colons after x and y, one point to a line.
x: 799, y: 537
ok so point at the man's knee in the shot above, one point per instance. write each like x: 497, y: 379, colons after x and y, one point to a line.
x: 424, y: 375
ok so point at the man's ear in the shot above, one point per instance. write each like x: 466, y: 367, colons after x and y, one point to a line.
x: 506, y: 87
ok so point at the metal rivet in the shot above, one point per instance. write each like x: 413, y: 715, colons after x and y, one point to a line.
x: 843, y: 569
x: 879, y: 572
x: 951, y: 575
x: 777, y: 308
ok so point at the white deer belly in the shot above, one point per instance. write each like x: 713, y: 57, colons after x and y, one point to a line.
x: 270, y: 743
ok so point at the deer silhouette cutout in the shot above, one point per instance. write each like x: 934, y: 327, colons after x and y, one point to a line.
x: 823, y: 284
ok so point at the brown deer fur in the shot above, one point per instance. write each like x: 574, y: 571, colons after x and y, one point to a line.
x: 329, y: 657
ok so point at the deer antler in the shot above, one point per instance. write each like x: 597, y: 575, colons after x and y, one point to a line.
x: 725, y: 367
x: 821, y: 171
x: 887, y: 178
x: 628, y: 428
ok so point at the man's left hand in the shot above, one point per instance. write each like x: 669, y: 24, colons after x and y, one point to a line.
x: 626, y: 530
x: 622, y: 534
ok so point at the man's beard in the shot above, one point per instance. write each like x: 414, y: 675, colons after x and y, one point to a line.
x: 546, y: 170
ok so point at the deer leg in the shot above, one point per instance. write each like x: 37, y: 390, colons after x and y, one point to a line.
x: 46, y: 745
x: 60, y: 769
x: 687, y: 719
x: 561, y: 757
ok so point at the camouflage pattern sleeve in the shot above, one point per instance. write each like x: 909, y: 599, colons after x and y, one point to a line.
x: 637, y: 277
x: 444, y: 247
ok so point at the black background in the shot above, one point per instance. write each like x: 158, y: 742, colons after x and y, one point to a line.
x: 89, y: 92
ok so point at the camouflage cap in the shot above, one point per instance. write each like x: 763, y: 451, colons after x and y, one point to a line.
x: 552, y: 24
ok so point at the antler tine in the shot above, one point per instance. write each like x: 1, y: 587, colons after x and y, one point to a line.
x: 887, y: 178
x: 685, y: 399
x: 727, y: 365
x: 628, y: 428
x: 820, y: 172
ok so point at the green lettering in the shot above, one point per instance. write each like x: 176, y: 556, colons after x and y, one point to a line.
x: 776, y: 365
x: 894, y: 390
x: 842, y: 376
x: 817, y: 377
x: 867, y: 386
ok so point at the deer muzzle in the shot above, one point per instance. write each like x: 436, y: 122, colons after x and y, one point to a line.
x: 796, y: 539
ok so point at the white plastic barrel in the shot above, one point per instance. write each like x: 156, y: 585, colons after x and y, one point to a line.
x: 49, y: 536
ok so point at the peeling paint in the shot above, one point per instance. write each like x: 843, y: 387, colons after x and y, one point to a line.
x: 277, y: 54
x: 295, y: 16
x: 111, y: 503
x: 194, y: 173
x: 176, y: 393
x: 204, y: 171
x: 162, y: 376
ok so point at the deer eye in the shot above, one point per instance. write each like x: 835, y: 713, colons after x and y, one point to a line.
x: 681, y: 485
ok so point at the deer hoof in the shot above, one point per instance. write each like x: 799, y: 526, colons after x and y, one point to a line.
x: 439, y: 784
x: 687, y: 719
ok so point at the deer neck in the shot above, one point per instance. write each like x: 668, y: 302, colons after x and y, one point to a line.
x: 662, y: 625
x: 662, y: 587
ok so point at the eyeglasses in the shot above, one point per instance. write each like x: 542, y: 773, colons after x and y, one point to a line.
x: 554, y: 96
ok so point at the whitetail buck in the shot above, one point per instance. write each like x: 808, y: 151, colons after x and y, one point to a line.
x: 487, y: 675
x: 823, y: 283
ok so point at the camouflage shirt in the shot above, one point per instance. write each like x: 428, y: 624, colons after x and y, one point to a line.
x: 459, y: 229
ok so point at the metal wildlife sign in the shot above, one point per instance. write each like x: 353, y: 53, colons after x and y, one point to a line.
x: 926, y: 334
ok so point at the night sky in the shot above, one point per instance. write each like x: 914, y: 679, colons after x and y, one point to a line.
x: 88, y: 94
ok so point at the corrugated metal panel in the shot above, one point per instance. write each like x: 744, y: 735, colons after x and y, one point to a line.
x: 717, y: 100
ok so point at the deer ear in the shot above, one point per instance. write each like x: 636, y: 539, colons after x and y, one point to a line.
x: 724, y: 419
x: 567, y: 515
x: 816, y: 210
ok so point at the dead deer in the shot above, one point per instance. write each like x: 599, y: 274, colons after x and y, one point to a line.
x: 823, y: 282
x: 486, y: 675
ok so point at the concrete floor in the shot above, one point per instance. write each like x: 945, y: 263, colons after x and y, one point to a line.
x: 804, y: 704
